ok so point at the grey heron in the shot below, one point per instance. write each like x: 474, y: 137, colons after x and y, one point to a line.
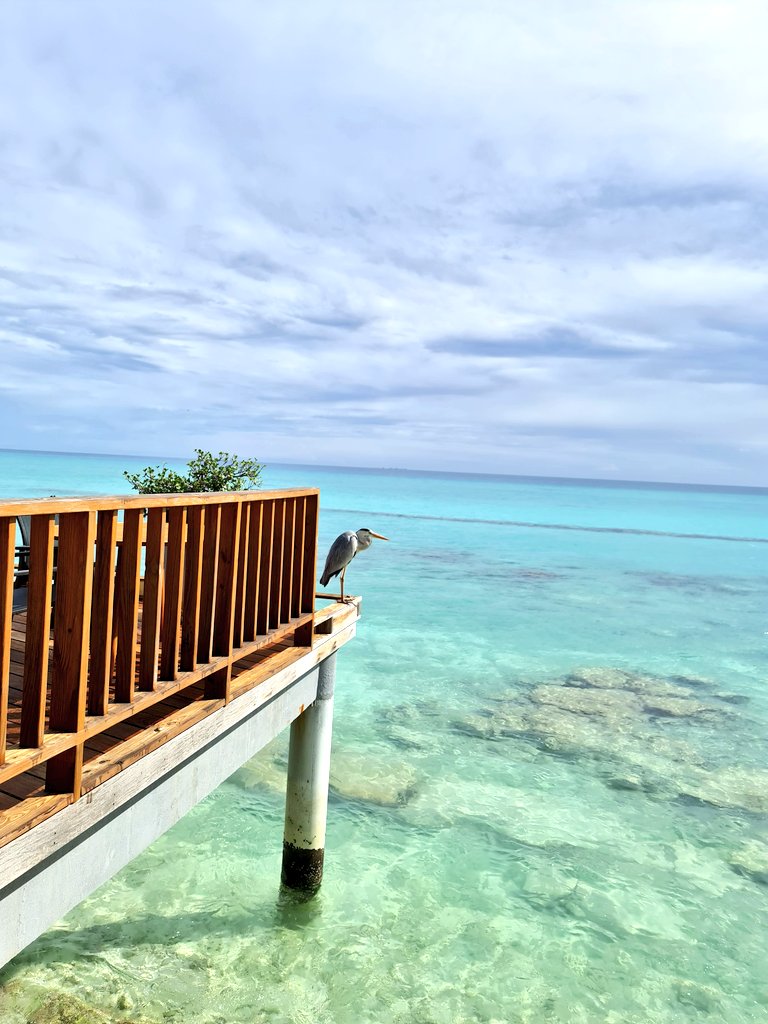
x: 343, y: 550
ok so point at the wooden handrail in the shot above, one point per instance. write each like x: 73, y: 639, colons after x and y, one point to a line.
x: 120, y: 614
x: 53, y: 506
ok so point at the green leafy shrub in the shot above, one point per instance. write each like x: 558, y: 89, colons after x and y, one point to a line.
x: 205, y: 472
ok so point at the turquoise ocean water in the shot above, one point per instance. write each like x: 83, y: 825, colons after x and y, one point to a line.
x: 550, y: 796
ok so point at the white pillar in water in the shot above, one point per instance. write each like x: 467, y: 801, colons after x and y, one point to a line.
x: 306, y: 803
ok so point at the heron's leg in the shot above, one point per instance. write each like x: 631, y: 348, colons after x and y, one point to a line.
x: 342, y: 582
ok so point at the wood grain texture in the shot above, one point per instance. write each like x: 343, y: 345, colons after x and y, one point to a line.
x: 252, y: 576
x: 305, y: 635
x: 289, y: 527
x: 242, y: 573
x: 69, y: 677
x: 298, y: 557
x: 310, y: 555
x: 54, y: 506
x: 152, y: 606
x: 127, y: 604
x: 256, y: 689
x: 127, y: 601
x: 229, y: 543
x: 37, y: 637
x: 208, y: 582
x: 247, y: 562
x: 258, y: 677
x: 23, y: 816
x: 174, y: 569
x: 7, y: 546
x: 193, y: 570
x: 101, y: 613
x: 276, y: 581
x: 265, y: 568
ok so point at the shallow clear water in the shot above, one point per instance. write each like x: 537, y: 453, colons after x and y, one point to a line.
x: 501, y: 846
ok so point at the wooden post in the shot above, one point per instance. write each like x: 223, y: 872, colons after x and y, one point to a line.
x: 128, y: 605
x: 74, y: 590
x: 102, y: 610
x: 305, y: 634
x: 208, y: 582
x: 306, y: 804
x: 37, y: 636
x: 265, y: 568
x: 151, y: 613
x: 7, y: 540
x: 193, y: 577
x: 172, y: 593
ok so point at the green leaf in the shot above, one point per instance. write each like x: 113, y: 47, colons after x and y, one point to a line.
x: 205, y: 472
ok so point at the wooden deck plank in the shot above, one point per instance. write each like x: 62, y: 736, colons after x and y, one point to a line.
x: 121, y: 744
x: 23, y: 815
x: 145, y: 741
x: 20, y: 759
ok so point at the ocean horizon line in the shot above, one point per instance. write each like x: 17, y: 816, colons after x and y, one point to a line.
x: 556, y: 481
x: 552, y: 526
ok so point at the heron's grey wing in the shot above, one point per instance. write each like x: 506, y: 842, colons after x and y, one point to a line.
x: 342, y: 552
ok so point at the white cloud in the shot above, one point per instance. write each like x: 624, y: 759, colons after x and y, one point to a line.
x: 247, y: 224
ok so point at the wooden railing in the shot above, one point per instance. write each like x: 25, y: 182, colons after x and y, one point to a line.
x: 130, y: 599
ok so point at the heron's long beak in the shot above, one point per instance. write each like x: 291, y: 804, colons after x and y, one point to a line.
x: 380, y: 537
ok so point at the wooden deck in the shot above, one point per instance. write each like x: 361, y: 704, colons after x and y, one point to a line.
x: 156, y: 621
x: 132, y: 733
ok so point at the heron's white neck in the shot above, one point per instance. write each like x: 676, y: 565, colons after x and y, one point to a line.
x: 364, y: 540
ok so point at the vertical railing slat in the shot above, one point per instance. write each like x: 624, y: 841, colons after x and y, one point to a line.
x: 229, y: 542
x: 243, y: 568
x: 151, y: 604
x: 275, y: 596
x: 208, y: 582
x: 38, y: 631
x: 298, y: 556
x: 101, y: 613
x: 218, y: 685
x: 252, y: 579
x: 174, y: 568
x: 193, y: 570
x: 305, y: 634
x: 7, y: 551
x: 289, y: 526
x: 69, y: 677
x: 265, y: 568
x: 128, y: 578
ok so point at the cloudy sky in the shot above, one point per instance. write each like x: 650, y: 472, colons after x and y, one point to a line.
x: 493, y: 235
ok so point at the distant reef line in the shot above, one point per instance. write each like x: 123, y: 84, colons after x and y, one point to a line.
x: 550, y: 526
